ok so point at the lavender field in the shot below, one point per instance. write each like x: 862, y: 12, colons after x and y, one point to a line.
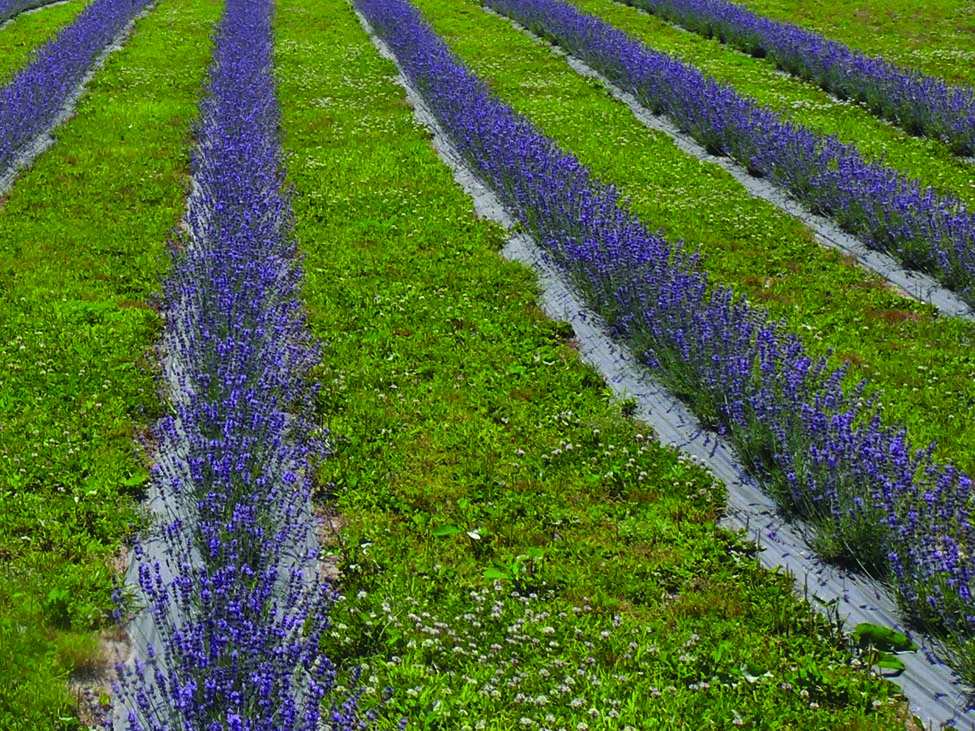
x: 286, y: 443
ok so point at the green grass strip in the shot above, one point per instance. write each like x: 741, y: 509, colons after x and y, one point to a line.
x: 929, y: 161
x: 922, y: 362
x: 29, y: 31
x: 472, y: 447
x: 936, y: 36
x: 82, y: 249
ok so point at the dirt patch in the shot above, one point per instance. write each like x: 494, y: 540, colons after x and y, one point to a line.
x: 93, y: 688
x: 894, y: 316
x: 330, y: 525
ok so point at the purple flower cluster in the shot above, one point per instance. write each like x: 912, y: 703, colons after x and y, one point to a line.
x: 815, y: 440
x: 10, y: 8
x: 888, y: 210
x: 921, y: 105
x: 35, y: 96
x: 235, y: 604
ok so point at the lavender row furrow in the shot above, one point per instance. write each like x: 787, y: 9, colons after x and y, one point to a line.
x: 888, y: 210
x: 10, y: 8
x: 924, y: 106
x: 35, y: 96
x: 813, y: 439
x: 234, y: 602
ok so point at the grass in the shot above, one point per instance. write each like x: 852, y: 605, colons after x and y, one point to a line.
x: 83, y: 237
x: 515, y: 551
x: 919, y: 360
x: 934, y: 36
x: 29, y: 31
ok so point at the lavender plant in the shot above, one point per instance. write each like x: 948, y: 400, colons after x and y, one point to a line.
x: 814, y: 440
x: 891, y: 212
x: 35, y: 96
x: 235, y: 605
x: 922, y: 105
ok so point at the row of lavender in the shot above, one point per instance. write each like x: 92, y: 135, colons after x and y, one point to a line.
x: 235, y: 606
x: 820, y: 447
x: 34, y: 98
x: 888, y: 210
x: 921, y: 105
x: 10, y: 8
